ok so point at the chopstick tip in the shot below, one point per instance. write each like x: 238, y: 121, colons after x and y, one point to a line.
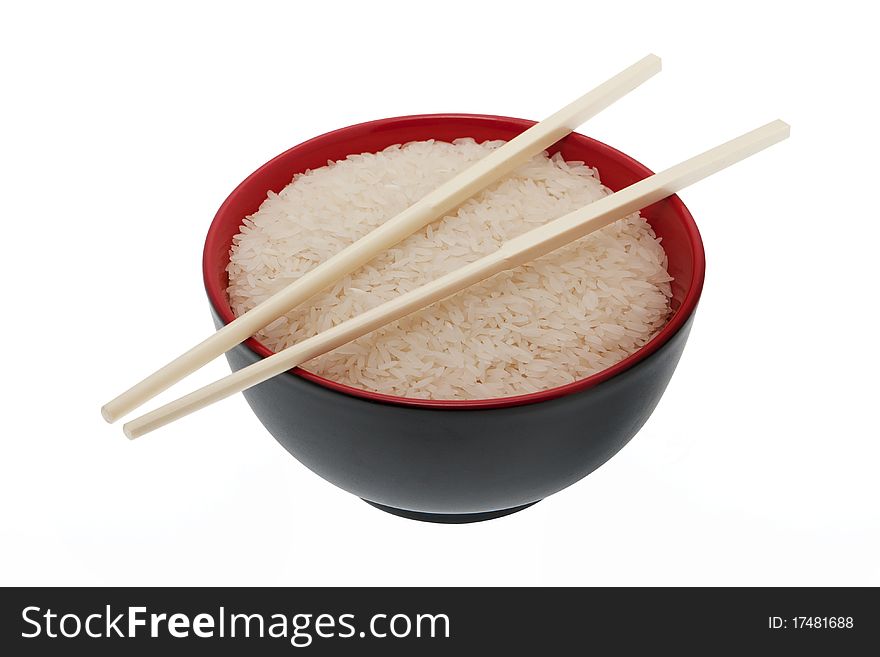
x: 107, y: 415
x: 653, y: 61
x: 779, y: 130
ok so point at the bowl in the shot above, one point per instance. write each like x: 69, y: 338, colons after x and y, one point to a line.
x: 445, y: 460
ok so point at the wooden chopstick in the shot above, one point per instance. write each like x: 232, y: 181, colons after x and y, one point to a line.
x: 526, y: 247
x: 430, y: 208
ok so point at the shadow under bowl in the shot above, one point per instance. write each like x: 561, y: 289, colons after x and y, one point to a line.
x: 458, y: 461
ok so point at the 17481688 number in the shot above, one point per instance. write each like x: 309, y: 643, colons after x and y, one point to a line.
x: 810, y: 622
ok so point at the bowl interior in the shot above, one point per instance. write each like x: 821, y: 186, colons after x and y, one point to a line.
x: 669, y: 218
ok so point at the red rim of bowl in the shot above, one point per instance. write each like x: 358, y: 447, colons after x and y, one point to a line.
x: 219, y: 300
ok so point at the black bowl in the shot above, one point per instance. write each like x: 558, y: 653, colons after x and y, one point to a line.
x: 453, y: 461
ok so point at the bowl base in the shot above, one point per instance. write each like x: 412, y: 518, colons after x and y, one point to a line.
x: 450, y: 518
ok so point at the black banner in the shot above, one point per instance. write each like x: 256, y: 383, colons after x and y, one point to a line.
x: 113, y: 621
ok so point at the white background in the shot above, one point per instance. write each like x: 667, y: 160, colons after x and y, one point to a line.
x: 124, y: 129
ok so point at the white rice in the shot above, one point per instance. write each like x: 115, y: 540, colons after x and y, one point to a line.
x: 564, y: 317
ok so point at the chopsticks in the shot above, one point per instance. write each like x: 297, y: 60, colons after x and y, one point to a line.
x: 430, y: 208
x: 533, y: 244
